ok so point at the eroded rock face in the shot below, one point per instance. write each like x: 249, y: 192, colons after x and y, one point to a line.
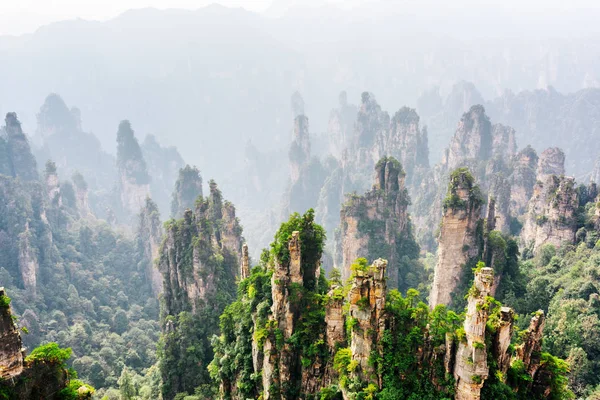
x: 472, y: 140
x: 523, y: 180
x: 20, y: 161
x: 245, y: 269
x: 551, y: 215
x: 134, y: 181
x: 285, y: 314
x: 502, y: 338
x: 52, y: 185
x: 11, y: 351
x: 187, y: 189
x: 530, y: 350
x: 197, y: 260
x: 20, y: 379
x: 341, y: 126
x: 551, y: 162
x: 81, y: 196
x: 458, y: 241
x: 471, y: 368
x: 149, y: 237
x: 377, y: 218
x: 367, y: 304
x: 28, y: 263
x: 300, y: 149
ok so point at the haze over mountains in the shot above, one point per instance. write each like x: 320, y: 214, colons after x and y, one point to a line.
x: 214, y: 78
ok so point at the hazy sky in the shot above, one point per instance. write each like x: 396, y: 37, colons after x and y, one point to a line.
x: 23, y: 16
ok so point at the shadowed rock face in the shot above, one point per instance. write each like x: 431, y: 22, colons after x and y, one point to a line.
x: 11, y: 352
x: 458, y: 242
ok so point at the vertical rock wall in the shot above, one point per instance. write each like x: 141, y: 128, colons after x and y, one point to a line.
x: 471, y: 367
x: 458, y: 241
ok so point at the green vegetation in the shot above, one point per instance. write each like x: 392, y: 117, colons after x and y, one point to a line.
x: 463, y: 179
x: 49, y: 353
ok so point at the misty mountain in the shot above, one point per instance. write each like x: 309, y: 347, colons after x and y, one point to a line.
x: 213, y: 78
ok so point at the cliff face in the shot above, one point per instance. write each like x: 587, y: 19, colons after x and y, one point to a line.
x: 185, y: 257
x: 148, y: 238
x: 11, y: 351
x: 378, y: 224
x: 472, y: 140
x: 551, y: 162
x: 471, y: 367
x: 300, y: 148
x: 341, y: 126
x: 20, y: 162
x: 551, y: 215
x: 21, y: 379
x: 523, y: 179
x: 134, y: 181
x: 187, y: 189
x: 199, y: 260
x: 487, y: 150
x: 366, y: 299
x: 164, y: 164
x: 458, y: 240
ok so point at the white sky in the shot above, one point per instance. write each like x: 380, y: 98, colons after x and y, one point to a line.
x: 24, y: 16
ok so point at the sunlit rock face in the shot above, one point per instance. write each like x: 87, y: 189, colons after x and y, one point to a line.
x: 551, y: 213
x: 458, y: 236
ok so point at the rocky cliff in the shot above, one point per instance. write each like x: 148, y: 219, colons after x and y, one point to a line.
x: 42, y: 375
x: 287, y: 337
x: 187, y: 189
x: 164, y: 164
x: 551, y: 162
x: 460, y: 235
x: 523, y: 179
x: 551, y: 215
x: 18, y: 161
x: 199, y: 260
x: 378, y: 224
x: 471, y: 366
x: 340, y: 129
x: 134, y: 181
x: 148, y: 239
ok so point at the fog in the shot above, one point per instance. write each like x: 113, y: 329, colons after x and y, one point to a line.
x: 215, y: 81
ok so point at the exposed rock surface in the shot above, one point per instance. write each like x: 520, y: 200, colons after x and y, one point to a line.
x: 551, y: 162
x: 21, y: 379
x: 187, y: 189
x: 164, y: 164
x: 471, y: 366
x: 149, y: 237
x: 11, y: 351
x: 300, y: 148
x: 199, y: 260
x: 367, y: 305
x: 523, y: 179
x: 341, y: 126
x: 134, y: 181
x: 377, y: 223
x: 18, y: 161
x: 551, y: 216
x: 458, y: 241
